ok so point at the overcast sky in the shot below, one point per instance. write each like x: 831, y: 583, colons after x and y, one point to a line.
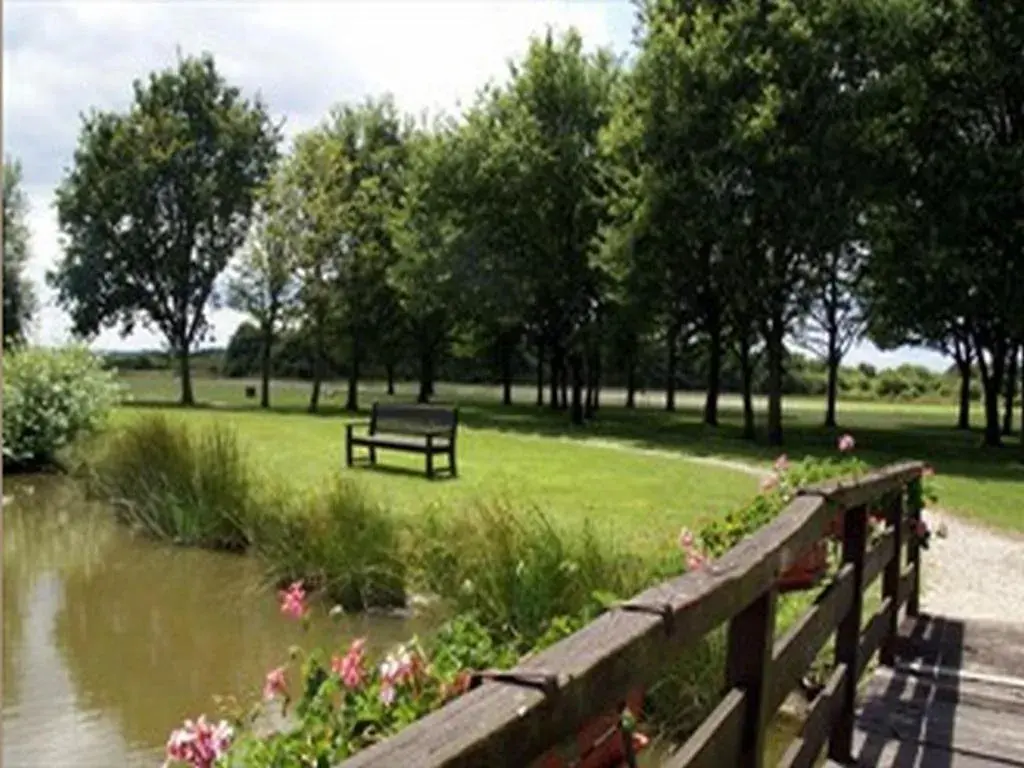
x: 63, y: 58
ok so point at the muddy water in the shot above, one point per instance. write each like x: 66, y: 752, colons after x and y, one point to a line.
x: 109, y: 640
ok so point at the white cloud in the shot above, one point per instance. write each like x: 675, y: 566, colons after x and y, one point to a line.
x: 62, y: 59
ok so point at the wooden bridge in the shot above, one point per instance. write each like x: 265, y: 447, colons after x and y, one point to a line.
x: 943, y: 696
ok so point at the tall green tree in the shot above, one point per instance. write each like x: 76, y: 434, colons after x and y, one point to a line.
x: 157, y: 201
x: 262, y: 283
x: 20, y: 302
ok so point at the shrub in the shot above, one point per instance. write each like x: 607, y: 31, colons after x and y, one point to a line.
x: 515, y: 570
x: 174, y: 484
x: 52, y: 397
x: 337, y: 540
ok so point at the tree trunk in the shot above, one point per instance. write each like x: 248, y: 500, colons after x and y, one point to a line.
x: 318, y: 373
x: 576, y: 363
x: 268, y: 343
x: 556, y: 370
x: 564, y: 375
x: 714, y: 372
x: 830, y: 393
x: 991, y: 381
x: 747, y: 383
x: 631, y: 381
x: 506, y: 371
x: 352, y: 402
x: 540, y: 374
x: 391, y: 377
x: 964, y: 418
x: 774, y: 339
x: 1011, y: 392
x: 188, y: 397
x: 670, y: 373
x: 598, y: 370
x: 426, y: 375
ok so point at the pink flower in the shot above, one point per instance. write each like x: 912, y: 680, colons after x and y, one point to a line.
x: 846, y: 443
x: 199, y: 744
x: 770, y: 483
x: 781, y: 464
x: 350, y: 666
x: 395, y: 671
x: 928, y: 471
x: 695, y: 561
x: 387, y: 693
x: 276, y: 684
x: 293, y: 601
x: 686, y: 539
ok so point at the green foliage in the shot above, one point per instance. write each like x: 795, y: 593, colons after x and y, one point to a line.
x: 147, y: 237
x: 51, y: 398
x: 176, y: 484
x: 336, y: 540
x: 20, y: 301
x: 515, y: 570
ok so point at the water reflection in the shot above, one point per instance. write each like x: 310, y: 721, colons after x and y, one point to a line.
x: 110, y: 640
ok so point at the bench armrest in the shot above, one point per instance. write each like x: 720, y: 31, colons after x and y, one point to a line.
x: 350, y: 426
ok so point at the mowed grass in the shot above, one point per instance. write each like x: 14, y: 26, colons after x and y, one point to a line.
x: 534, y: 455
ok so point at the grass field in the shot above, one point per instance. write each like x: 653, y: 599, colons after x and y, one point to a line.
x: 535, y: 456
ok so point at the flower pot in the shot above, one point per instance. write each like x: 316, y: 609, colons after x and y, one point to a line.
x: 807, y: 570
x: 599, y: 743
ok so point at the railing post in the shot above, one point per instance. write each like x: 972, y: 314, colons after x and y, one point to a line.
x: 914, y: 500
x: 840, y: 747
x: 891, y: 578
x: 751, y: 637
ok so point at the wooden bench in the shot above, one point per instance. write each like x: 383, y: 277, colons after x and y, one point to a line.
x: 425, y: 429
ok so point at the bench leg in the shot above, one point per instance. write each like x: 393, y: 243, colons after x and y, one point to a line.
x: 451, y: 464
x: 373, y: 456
x: 430, y: 464
x: 348, y: 453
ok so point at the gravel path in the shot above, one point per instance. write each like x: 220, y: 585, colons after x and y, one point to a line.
x: 972, y: 573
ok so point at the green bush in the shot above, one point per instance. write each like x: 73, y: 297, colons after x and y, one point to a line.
x: 336, y: 540
x: 52, y: 397
x: 515, y: 570
x: 177, y: 485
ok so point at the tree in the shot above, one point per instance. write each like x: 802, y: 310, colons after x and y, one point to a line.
x: 20, y: 301
x: 262, y: 284
x: 157, y: 201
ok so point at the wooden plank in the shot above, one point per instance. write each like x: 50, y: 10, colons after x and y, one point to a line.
x: 891, y: 583
x: 874, y: 634
x: 852, y: 493
x: 794, y: 652
x: 914, y: 550
x: 716, y: 741
x: 878, y: 557
x: 804, y: 750
x: 855, y: 525
x: 747, y: 663
x: 506, y: 725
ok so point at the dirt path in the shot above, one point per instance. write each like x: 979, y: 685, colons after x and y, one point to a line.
x: 973, y: 573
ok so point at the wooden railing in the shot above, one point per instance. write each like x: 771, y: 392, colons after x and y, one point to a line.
x: 544, y: 701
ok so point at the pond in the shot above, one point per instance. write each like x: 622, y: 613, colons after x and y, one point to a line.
x: 110, y: 639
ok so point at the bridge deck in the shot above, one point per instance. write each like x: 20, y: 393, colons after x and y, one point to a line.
x: 954, y: 700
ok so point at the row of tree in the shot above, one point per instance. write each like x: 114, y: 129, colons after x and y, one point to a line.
x: 764, y: 173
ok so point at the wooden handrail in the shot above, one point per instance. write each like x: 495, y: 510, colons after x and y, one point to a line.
x: 510, y: 723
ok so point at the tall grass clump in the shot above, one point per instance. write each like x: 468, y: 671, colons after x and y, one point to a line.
x: 192, y: 488
x: 517, y: 572
x: 336, y: 539
x: 52, y: 398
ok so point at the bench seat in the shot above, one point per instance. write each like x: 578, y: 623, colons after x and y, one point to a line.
x: 430, y: 430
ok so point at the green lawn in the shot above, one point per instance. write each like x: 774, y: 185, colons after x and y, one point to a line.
x: 509, y: 450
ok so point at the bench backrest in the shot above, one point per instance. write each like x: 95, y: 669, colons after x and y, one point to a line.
x: 413, y: 419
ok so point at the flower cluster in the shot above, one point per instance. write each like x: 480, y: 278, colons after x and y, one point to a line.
x: 349, y: 668
x: 695, y: 558
x: 397, y: 670
x: 199, y: 744
x: 293, y: 601
x: 846, y: 443
x: 275, y: 684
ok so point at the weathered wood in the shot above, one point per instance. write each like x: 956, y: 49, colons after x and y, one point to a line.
x: 747, y: 663
x: 874, y: 634
x: 848, y: 635
x: 913, y: 548
x: 878, y: 557
x: 891, y: 583
x: 716, y: 741
x: 504, y: 724
x: 804, y: 750
x: 794, y: 652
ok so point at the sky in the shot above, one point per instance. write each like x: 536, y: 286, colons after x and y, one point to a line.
x: 61, y: 59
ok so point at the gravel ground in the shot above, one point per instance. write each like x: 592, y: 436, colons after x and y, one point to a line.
x: 972, y: 573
